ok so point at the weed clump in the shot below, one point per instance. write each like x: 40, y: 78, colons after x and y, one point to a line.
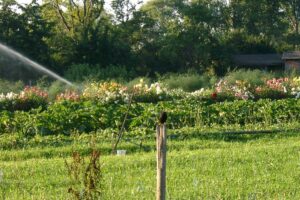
x: 85, y: 177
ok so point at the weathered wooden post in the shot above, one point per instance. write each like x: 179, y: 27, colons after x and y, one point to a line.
x: 161, y: 146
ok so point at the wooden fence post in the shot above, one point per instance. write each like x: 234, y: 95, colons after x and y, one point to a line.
x: 161, y: 146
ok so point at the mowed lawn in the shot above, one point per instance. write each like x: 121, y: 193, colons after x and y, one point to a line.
x: 266, y: 167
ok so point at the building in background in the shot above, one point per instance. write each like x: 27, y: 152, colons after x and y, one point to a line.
x: 291, y: 61
x: 288, y: 61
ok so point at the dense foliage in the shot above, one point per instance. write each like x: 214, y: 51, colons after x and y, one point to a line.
x: 67, y: 117
x: 102, y: 106
x: 156, y: 36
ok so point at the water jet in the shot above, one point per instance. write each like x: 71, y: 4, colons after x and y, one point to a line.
x: 14, y: 54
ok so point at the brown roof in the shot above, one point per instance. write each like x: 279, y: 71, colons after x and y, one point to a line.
x: 291, y: 55
x: 258, y: 59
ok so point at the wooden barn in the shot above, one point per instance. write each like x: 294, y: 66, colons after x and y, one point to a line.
x: 288, y: 61
x: 291, y: 61
x: 259, y: 61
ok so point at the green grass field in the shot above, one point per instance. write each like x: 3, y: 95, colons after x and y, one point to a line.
x: 223, y: 167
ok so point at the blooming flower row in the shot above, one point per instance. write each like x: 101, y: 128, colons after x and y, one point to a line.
x: 111, y: 91
x: 8, y: 96
x: 27, y: 93
x: 273, y: 88
x: 115, y: 92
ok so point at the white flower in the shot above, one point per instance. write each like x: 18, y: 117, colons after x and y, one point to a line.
x: 126, y: 99
x: 11, y: 95
x: 138, y: 85
x: 158, y: 89
x: 22, y: 94
x: 220, y: 83
x: 197, y: 92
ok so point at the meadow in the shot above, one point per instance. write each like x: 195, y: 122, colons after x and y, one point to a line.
x: 220, y: 167
x: 232, y: 140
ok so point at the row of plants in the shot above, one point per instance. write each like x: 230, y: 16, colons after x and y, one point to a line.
x: 112, y: 92
x: 27, y: 99
x: 65, y: 117
x: 223, y: 90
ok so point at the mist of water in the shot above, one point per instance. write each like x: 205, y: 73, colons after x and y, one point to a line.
x: 14, y: 54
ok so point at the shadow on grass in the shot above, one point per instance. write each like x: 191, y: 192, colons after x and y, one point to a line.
x: 238, y: 136
x: 191, y: 138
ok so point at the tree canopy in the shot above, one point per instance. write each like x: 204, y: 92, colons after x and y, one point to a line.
x: 156, y: 36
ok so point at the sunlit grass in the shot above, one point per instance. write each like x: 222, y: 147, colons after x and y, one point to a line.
x: 230, y: 168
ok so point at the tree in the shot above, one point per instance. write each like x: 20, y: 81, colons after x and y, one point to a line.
x: 205, y: 25
x: 292, y: 11
x: 123, y: 10
x: 24, y: 29
x: 151, y: 28
x: 79, y: 25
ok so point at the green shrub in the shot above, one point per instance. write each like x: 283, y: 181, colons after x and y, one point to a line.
x: 146, y: 80
x: 9, y: 86
x: 117, y: 73
x: 254, y: 77
x: 56, y: 88
x: 88, y: 116
x: 82, y: 72
x: 188, y: 81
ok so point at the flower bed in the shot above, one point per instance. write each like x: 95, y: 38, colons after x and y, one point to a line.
x: 112, y: 92
x: 29, y: 98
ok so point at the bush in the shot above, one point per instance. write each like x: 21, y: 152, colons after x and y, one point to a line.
x: 56, y: 88
x: 88, y: 116
x: 188, y: 81
x: 117, y: 73
x: 254, y: 77
x: 8, y: 86
x: 81, y: 72
x: 137, y: 80
x: 29, y: 98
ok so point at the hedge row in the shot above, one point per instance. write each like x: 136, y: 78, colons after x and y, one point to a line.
x: 87, y: 116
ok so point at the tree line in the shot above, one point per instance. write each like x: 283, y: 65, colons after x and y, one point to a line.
x: 156, y: 36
